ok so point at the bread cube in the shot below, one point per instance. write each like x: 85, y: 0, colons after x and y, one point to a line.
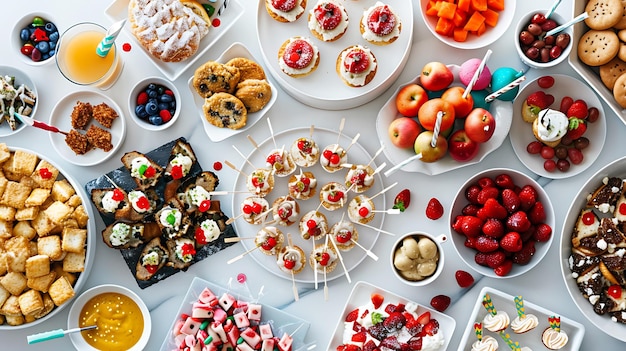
x: 43, y: 224
x: 62, y: 190
x: 15, y: 195
x: 37, y: 266
x: 7, y: 213
x: 74, y: 240
x: 58, y: 211
x: 74, y: 262
x: 30, y: 302
x: 60, y: 291
x: 50, y: 246
x: 45, y: 182
x: 24, y: 229
x: 41, y: 283
x: 26, y: 213
x: 37, y: 197
x: 14, y: 282
x: 11, y: 307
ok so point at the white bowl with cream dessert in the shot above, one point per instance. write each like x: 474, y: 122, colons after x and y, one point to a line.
x: 417, y: 258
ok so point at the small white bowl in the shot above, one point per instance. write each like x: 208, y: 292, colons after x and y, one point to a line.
x: 73, y: 318
x: 521, y: 25
x: 438, y: 240
x: 467, y: 254
x: 16, y: 42
x: 141, y: 86
x: 20, y: 78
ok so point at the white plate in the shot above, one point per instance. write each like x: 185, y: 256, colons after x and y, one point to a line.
x: 90, y: 245
x: 280, y: 321
x: 323, y: 88
x: 473, y: 41
x: 504, y: 302
x: 228, y: 15
x: 367, y: 236
x: 61, y: 118
x: 20, y: 78
x: 502, y: 111
x: 616, y: 168
x: 361, y: 295
x: 219, y: 134
x: 596, y: 132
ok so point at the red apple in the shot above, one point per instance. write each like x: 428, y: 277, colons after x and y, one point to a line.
x: 427, y: 114
x: 480, y: 125
x: 436, y: 76
x: 403, y: 131
x: 429, y: 153
x: 461, y: 147
x: 410, y: 98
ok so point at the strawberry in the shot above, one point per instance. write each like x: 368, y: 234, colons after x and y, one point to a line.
x: 370, y: 345
x: 490, y: 192
x: 537, y: 213
x: 463, y: 278
x: 457, y: 224
x: 471, y: 193
x: 578, y: 109
x: 391, y: 342
x: 359, y: 337
x: 480, y: 258
x: 492, y: 209
x: 486, y: 244
x: 493, y: 228
x: 518, y: 222
x: 470, y: 210
x: 440, y: 302
x: 348, y: 347
x: 424, y: 318
x: 566, y: 102
x: 485, y: 182
x: 434, y: 209
x: 510, y: 200
x: 577, y: 127
x: 402, y: 200
x: 395, y: 321
x: 525, y: 254
x: 377, y: 299
x: 415, y: 343
x: 470, y: 242
x: 431, y: 328
x: 391, y: 308
x: 471, y: 226
x: 542, y: 233
x: 495, y: 259
x: 504, y: 268
x: 504, y: 181
x: 511, y: 242
x: 528, y: 197
x: 540, y: 99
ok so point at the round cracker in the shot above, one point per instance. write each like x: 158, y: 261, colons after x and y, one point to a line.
x: 619, y: 90
x: 622, y: 22
x: 597, y: 47
x: 603, y: 14
x: 609, y: 72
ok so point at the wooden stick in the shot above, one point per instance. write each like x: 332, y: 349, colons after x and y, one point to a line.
x: 367, y: 252
x: 393, y: 169
x: 235, y: 168
x: 354, y: 140
x: 389, y: 211
x: 293, y: 279
x: 384, y: 190
x: 382, y: 147
x: 341, y: 125
x: 237, y: 258
x: 256, y: 146
x: 376, y: 229
x: 379, y: 168
x: 244, y: 157
x: 311, y: 131
x: 111, y: 181
x: 332, y: 240
x: 236, y: 239
x: 269, y: 124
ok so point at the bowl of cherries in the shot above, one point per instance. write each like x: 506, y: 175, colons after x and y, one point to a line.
x: 535, y: 48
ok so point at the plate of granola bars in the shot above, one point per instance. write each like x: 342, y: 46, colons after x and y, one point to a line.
x: 93, y: 127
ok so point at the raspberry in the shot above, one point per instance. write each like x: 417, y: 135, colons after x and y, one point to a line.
x: 457, y: 224
x: 434, y: 209
x: 480, y: 258
x: 504, y: 181
x: 493, y: 228
x: 485, y: 182
x: 488, y: 193
x: 471, y: 210
x: 486, y: 244
x: 471, y: 193
x: 463, y: 278
x: 524, y: 256
x: 471, y: 226
x: 492, y: 209
x: 537, y: 213
x: 518, y: 222
x: 527, y: 196
x: 495, y: 259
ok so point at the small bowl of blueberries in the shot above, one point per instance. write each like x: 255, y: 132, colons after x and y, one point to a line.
x: 154, y: 103
x: 34, y: 38
x: 535, y: 48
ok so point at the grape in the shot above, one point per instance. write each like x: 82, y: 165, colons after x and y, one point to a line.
x: 549, y: 165
x: 547, y: 152
x: 560, y: 152
x: 534, y: 147
x: 593, y: 114
x: 575, y: 155
x: 581, y: 143
x: 562, y: 165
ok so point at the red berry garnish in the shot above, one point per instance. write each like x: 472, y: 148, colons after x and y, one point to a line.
x: 615, y: 291
x: 45, y: 173
x: 440, y: 302
x: 204, y: 205
x: 118, y: 195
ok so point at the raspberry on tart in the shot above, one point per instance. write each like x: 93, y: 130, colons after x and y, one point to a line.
x: 356, y: 65
x: 380, y: 25
x: 298, y: 57
x: 285, y: 10
x: 328, y: 20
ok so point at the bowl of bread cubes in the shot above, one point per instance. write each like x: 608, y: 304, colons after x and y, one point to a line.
x: 46, y: 228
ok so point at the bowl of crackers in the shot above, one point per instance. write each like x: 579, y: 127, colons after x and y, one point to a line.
x: 49, y: 252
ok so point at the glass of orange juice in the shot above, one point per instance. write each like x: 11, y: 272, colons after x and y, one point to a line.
x: 78, y: 61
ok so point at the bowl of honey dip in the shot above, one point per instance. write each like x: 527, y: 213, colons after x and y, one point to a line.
x: 122, y: 319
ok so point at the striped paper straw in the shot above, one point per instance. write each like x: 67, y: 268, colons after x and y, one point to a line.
x: 504, y: 89
x: 105, y: 45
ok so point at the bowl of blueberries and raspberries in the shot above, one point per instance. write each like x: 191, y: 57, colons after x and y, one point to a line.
x: 154, y: 103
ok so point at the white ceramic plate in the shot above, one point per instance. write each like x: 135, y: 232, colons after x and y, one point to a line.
x: 227, y: 14
x: 219, y: 134
x: 504, y: 302
x: 361, y: 295
x: 502, y: 111
x: 616, y: 168
x: 20, y: 78
x: 73, y: 317
x: 280, y: 321
x: 90, y: 245
x: 473, y: 41
x: 367, y: 236
x: 61, y: 118
x: 596, y: 132
x: 323, y: 88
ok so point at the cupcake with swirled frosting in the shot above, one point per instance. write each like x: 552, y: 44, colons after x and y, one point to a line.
x: 521, y: 325
x: 486, y: 343
x: 554, y: 339
x: 496, y: 322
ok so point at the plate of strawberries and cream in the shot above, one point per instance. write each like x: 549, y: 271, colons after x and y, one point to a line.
x: 335, y: 54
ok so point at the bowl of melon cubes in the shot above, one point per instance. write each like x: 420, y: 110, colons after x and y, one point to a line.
x: 467, y: 24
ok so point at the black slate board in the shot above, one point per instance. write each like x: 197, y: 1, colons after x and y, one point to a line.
x: 122, y: 178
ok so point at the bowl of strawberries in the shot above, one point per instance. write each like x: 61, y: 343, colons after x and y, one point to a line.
x: 501, y: 222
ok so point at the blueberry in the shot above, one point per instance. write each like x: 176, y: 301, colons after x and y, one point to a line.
x: 173, y: 104
x: 51, y: 52
x: 151, y: 86
x: 43, y: 46
x: 152, y: 93
x: 54, y: 37
x: 45, y: 56
x: 156, y: 120
x: 165, y: 98
x: 163, y: 106
x: 24, y: 34
x: 140, y: 111
x: 152, y: 108
x: 52, y: 44
x: 50, y: 27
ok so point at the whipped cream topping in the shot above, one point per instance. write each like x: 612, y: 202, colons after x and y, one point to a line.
x: 327, y: 35
x: 259, y: 181
x: 266, y: 233
x: 357, y: 79
x: 185, y: 162
x: 290, y: 16
x: 196, y: 195
x: 317, y: 229
x: 286, y: 211
x: 333, y: 163
x: 170, y: 218
x: 294, y: 71
x: 307, y: 157
x: 551, y: 125
x: 138, y: 166
x: 522, y: 325
x: 554, y: 339
x: 373, y: 37
x: 362, y: 177
x: 108, y: 203
x: 329, y: 192
x: 281, y: 162
x: 487, y: 343
x: 289, y: 253
x: 120, y: 234
x: 496, y: 322
x: 139, y: 200
x: 210, y: 230
x: 360, y: 209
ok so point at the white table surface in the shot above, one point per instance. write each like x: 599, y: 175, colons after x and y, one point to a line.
x: 163, y: 299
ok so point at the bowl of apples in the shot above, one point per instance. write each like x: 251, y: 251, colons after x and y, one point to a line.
x: 468, y: 129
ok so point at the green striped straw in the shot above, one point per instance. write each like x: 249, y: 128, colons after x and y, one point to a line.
x: 109, y: 39
x: 514, y: 345
x: 519, y: 306
x: 489, y: 305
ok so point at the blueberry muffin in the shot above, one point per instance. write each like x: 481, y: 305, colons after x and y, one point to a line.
x: 254, y: 93
x: 248, y: 69
x: 214, y: 77
x: 225, y: 110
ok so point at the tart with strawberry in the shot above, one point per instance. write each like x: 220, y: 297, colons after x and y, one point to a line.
x: 291, y: 259
x: 281, y: 162
x: 260, y: 182
x: 345, y: 235
x: 328, y: 20
x: 181, y: 159
x: 285, y: 10
x: 356, y: 66
x: 298, y: 57
x: 269, y: 240
x: 333, y: 156
x: 534, y: 103
x: 285, y: 210
x: 109, y: 201
x: 550, y: 127
x: 360, y: 178
x: 313, y: 224
x: 333, y: 196
x: 323, y: 258
x: 302, y: 186
x: 380, y: 25
x: 305, y: 152
x: 361, y: 209
x: 254, y: 209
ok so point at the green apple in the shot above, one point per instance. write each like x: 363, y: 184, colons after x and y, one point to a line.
x: 429, y: 153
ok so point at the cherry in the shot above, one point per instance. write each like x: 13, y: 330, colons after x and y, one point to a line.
x: 364, y: 211
x: 311, y: 223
